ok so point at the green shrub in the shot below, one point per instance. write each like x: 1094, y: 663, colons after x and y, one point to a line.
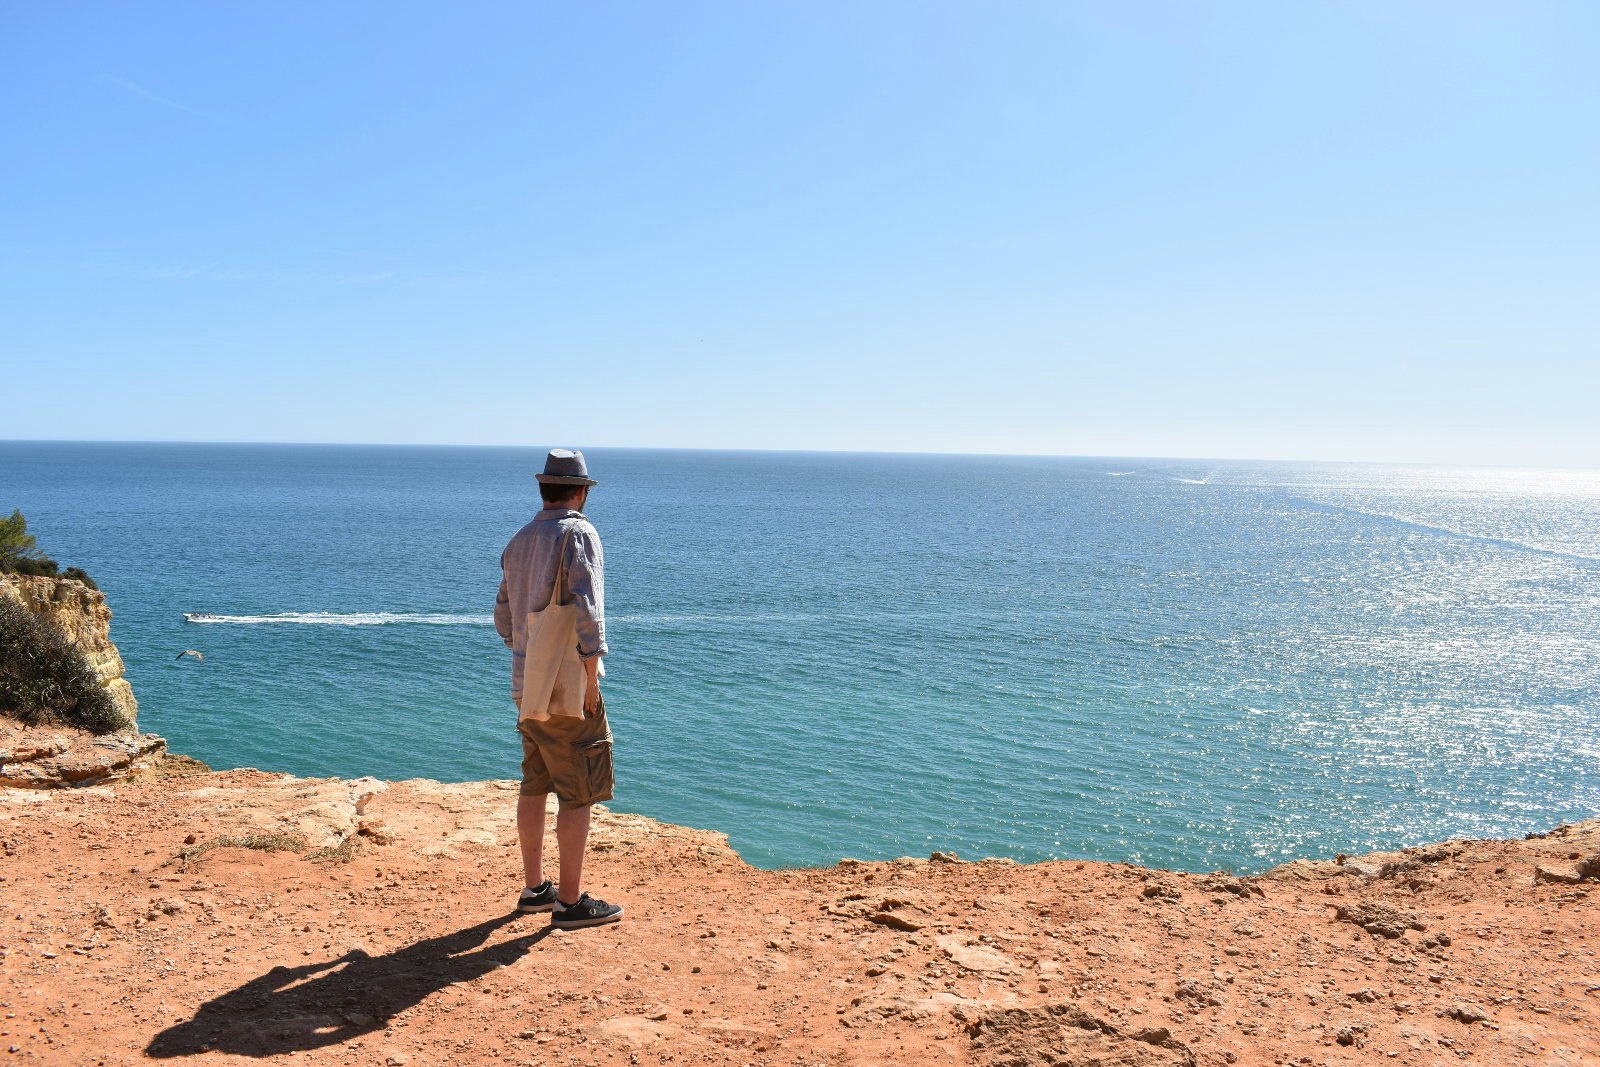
x: 45, y: 679
x: 19, y: 553
x: 77, y: 574
x: 39, y: 566
x: 15, y: 541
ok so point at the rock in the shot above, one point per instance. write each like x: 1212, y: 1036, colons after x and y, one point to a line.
x: 870, y: 1011
x: 976, y: 958
x: 1064, y: 1034
x: 321, y: 812
x: 944, y: 857
x: 1226, y: 883
x: 1556, y: 875
x: 174, y: 765
x: 1380, y: 919
x: 22, y: 748
x: 635, y: 1031
x: 1365, y: 868
x: 897, y: 922
x: 1371, y: 867
x: 1204, y: 996
x: 1465, y: 1012
x: 56, y: 757
x: 1161, y: 891
x: 1587, y: 869
x: 166, y: 906
x: 1303, y: 871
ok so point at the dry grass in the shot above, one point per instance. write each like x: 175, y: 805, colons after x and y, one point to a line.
x: 343, y: 852
x: 258, y: 842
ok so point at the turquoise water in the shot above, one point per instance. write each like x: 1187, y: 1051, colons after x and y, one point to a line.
x: 1180, y: 663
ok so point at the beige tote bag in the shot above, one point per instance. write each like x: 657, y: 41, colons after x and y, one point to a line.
x: 553, y: 678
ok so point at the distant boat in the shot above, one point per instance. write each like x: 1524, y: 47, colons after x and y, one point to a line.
x: 200, y: 616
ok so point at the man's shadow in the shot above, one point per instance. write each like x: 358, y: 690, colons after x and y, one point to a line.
x: 293, y: 1009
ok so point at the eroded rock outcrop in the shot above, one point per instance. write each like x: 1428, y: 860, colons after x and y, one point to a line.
x: 83, y: 616
x: 59, y: 757
x: 428, y: 819
x: 48, y: 757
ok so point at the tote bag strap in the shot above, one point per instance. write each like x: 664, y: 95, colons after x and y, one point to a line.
x: 561, y: 568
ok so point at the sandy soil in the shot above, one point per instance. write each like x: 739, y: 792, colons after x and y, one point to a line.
x: 153, y: 920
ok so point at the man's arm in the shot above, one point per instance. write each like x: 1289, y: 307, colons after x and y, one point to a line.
x: 591, y: 691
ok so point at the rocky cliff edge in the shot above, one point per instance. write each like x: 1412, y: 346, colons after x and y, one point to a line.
x: 244, y: 917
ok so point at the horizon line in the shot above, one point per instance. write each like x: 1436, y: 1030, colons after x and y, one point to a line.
x: 797, y: 452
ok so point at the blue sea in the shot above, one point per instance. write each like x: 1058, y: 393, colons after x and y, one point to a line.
x: 1182, y: 663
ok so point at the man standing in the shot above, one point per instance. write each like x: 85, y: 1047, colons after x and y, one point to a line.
x: 564, y: 754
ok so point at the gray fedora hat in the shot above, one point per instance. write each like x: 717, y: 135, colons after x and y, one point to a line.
x: 565, y: 466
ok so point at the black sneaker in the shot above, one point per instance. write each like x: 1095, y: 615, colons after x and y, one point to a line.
x: 541, y: 899
x: 586, y: 912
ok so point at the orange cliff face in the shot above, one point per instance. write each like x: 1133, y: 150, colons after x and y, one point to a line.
x: 227, y: 918
x: 60, y: 756
x: 83, y: 616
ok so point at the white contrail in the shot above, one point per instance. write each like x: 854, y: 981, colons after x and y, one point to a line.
x: 140, y: 90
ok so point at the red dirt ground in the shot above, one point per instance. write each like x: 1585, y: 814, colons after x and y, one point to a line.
x: 125, y: 938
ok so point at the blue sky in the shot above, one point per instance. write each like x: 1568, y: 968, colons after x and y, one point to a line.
x: 1303, y: 230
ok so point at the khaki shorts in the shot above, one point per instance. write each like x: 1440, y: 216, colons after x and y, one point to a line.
x: 569, y: 757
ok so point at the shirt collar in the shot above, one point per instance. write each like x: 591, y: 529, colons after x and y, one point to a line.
x: 559, y: 513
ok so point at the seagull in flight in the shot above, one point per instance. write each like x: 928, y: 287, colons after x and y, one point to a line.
x: 200, y: 657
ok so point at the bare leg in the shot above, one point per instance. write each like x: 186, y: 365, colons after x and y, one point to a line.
x: 530, y: 832
x: 572, y: 835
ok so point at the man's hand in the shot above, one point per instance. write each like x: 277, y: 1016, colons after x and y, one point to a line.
x: 591, y: 690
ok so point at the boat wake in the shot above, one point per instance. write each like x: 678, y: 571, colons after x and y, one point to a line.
x: 1156, y: 472
x: 1449, y: 531
x: 355, y: 618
